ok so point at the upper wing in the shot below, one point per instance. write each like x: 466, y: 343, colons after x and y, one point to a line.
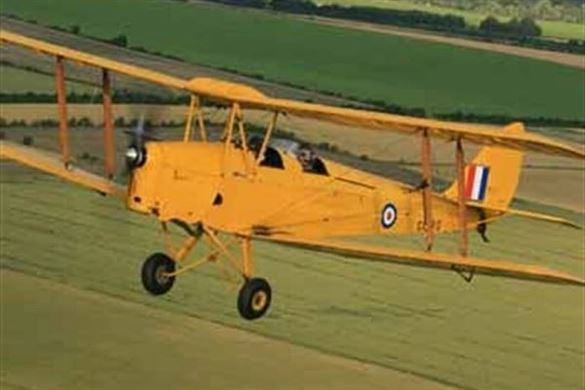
x: 433, y: 260
x: 249, y: 97
x: 52, y: 163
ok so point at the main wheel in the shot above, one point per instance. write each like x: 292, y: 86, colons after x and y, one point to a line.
x: 154, y: 270
x: 254, y: 298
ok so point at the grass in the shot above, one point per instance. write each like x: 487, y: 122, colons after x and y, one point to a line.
x: 494, y: 333
x: 15, y: 80
x: 368, y: 65
x: 550, y: 28
x: 93, y: 341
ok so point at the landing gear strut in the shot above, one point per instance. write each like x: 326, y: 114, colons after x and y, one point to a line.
x: 160, y: 270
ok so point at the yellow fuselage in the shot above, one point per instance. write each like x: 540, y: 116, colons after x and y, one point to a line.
x: 222, y: 186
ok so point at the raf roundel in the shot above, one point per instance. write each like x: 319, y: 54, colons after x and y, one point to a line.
x: 389, y: 215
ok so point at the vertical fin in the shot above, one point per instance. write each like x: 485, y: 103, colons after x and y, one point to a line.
x: 492, y: 176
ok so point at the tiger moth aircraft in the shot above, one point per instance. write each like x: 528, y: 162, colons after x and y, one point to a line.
x: 237, y: 189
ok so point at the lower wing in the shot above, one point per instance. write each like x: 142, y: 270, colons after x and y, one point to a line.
x: 433, y: 260
x: 51, y: 163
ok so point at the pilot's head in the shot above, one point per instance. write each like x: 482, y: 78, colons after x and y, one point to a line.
x: 306, y: 156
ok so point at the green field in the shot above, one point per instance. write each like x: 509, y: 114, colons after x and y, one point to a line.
x: 438, y: 77
x: 15, y: 80
x: 493, y: 333
x: 550, y: 28
x: 147, y: 348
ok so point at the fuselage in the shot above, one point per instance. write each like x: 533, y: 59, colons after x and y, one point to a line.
x: 225, y: 187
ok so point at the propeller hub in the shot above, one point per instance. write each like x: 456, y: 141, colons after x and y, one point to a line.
x: 135, y: 157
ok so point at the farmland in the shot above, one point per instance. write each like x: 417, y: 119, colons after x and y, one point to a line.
x: 78, y: 348
x: 550, y: 28
x: 493, y: 333
x: 14, y: 80
x: 75, y: 316
x: 27, y: 59
x: 438, y: 77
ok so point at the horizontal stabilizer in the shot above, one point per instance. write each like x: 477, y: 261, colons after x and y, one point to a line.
x: 528, y: 214
x: 543, y: 217
x: 51, y: 163
x: 433, y: 260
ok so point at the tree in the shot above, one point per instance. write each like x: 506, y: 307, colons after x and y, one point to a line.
x: 119, y: 40
x: 490, y: 25
x: 527, y: 27
x: 524, y: 28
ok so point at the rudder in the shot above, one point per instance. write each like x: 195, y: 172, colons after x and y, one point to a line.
x: 492, y: 177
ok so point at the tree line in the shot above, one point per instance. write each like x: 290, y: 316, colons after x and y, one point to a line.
x: 119, y: 96
x: 522, y: 32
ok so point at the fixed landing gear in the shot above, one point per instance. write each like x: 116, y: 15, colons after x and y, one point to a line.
x: 157, y: 276
x: 159, y: 271
x: 254, y: 298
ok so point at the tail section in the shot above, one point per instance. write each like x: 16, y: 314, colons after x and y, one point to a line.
x: 492, y: 177
x: 491, y: 180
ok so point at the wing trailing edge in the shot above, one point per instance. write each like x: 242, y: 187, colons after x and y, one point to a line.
x: 432, y: 260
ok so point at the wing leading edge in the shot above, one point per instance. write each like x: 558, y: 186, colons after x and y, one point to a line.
x: 433, y: 260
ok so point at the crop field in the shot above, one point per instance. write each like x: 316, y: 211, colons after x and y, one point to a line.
x: 15, y: 80
x: 550, y: 28
x: 438, y: 77
x: 431, y: 325
x: 74, y: 72
x: 74, y: 314
x: 91, y: 340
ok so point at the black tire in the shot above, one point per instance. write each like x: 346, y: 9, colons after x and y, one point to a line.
x: 153, y: 279
x: 254, y: 298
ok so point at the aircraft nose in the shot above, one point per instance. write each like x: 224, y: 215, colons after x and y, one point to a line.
x: 135, y: 157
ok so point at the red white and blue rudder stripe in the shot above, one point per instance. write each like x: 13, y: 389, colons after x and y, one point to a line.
x: 476, y: 182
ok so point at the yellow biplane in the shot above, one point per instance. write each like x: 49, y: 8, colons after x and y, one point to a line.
x: 230, y: 191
